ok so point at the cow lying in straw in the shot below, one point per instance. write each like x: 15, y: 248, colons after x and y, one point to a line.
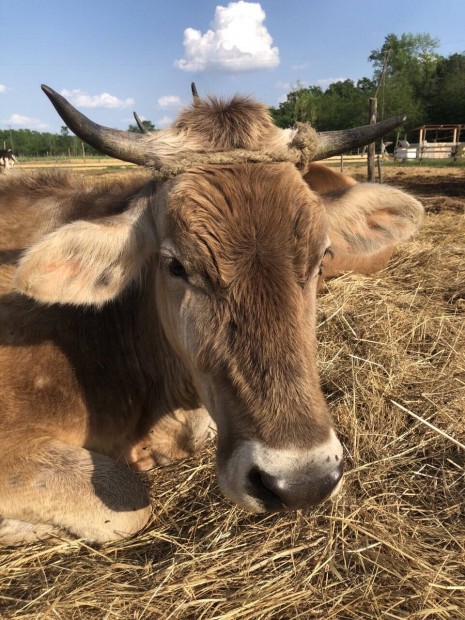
x: 133, y: 311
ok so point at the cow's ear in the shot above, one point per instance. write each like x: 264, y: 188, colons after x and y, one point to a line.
x: 87, y: 263
x: 366, y: 218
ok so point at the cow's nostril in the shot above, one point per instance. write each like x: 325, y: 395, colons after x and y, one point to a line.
x: 303, y: 491
x: 331, y: 480
x: 258, y: 487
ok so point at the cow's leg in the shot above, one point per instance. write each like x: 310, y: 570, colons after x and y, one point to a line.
x: 51, y: 483
x: 175, y: 436
x: 16, y: 532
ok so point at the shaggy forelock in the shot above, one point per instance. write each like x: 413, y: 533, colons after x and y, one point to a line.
x: 240, y: 123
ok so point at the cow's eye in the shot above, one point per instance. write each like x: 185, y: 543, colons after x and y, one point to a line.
x: 176, y: 268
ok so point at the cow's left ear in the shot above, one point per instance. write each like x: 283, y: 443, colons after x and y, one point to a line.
x: 88, y: 262
x: 367, y: 218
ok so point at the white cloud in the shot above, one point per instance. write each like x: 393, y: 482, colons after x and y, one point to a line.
x: 163, y: 122
x: 2, y: 88
x: 283, y: 86
x: 303, y: 65
x: 328, y: 81
x: 26, y: 121
x: 168, y: 101
x: 237, y: 41
x: 82, y: 99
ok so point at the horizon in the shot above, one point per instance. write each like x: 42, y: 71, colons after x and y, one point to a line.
x: 144, y: 57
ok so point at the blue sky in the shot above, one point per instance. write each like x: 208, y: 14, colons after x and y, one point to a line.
x: 113, y: 56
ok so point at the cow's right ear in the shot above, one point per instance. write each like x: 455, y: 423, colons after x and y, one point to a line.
x: 87, y: 263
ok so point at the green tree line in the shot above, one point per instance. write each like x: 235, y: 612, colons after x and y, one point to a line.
x: 408, y: 77
x: 31, y: 143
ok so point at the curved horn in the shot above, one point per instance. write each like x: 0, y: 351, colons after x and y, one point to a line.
x: 337, y: 142
x: 125, y: 145
x: 140, y: 124
x: 195, y: 94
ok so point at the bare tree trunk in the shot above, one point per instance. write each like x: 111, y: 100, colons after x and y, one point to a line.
x: 380, y: 169
x: 371, y: 147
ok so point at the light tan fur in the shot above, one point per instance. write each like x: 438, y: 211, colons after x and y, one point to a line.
x: 212, y: 131
x: 108, y: 349
x: 323, y: 179
x: 351, y: 217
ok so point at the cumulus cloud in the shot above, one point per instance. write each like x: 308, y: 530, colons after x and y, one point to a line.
x: 169, y: 101
x: 163, y: 122
x: 26, y: 121
x: 82, y: 99
x: 2, y: 88
x: 237, y: 41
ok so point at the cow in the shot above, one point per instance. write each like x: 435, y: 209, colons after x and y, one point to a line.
x: 138, y: 315
x: 7, y: 160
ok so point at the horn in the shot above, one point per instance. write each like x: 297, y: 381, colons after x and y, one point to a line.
x: 337, y: 142
x: 125, y: 145
x: 140, y: 124
x: 195, y: 94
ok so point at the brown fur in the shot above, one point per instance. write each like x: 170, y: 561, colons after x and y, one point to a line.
x: 213, y: 131
x: 261, y: 281
x: 325, y: 180
x: 241, y: 123
x: 114, y: 368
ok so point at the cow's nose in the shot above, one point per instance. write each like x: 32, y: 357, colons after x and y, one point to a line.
x: 305, y: 491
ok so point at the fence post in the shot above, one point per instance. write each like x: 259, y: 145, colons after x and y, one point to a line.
x: 380, y: 170
x: 371, y: 147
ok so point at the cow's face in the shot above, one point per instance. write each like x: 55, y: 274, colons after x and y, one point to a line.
x: 237, y: 251
x: 240, y: 249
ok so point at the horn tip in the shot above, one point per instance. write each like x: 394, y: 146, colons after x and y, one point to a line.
x: 195, y: 93
x: 51, y: 94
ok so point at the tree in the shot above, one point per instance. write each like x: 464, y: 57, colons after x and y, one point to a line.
x: 407, y: 64
x: 301, y: 105
x: 407, y: 55
x: 344, y: 106
x: 447, y: 103
x: 147, y: 124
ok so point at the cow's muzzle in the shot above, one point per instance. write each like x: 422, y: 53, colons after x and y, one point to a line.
x: 261, y: 479
x: 278, y: 493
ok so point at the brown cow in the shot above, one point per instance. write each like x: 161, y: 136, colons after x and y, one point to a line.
x: 127, y: 307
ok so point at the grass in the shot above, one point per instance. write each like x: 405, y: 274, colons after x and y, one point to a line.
x: 390, y: 546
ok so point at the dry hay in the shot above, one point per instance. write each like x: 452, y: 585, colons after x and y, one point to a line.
x: 392, y: 545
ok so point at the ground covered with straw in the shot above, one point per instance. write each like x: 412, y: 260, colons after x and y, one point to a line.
x: 391, y: 545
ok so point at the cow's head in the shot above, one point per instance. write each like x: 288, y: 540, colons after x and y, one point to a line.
x: 237, y: 245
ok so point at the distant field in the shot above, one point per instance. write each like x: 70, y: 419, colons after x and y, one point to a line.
x: 108, y: 163
x: 74, y: 163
